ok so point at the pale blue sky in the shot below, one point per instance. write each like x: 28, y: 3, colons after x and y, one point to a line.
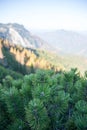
x: 45, y: 14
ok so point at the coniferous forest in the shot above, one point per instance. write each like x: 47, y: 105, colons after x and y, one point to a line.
x: 43, y: 64
x: 44, y: 100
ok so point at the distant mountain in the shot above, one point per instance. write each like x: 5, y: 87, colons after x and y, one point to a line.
x: 18, y: 34
x: 66, y: 41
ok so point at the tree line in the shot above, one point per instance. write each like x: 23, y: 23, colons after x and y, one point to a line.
x: 22, y: 60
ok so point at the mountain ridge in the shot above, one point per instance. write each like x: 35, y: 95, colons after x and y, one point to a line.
x: 18, y: 34
x: 68, y: 42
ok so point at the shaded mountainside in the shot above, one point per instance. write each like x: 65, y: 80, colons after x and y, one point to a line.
x: 18, y: 34
x: 27, y: 60
x: 23, y: 60
x: 66, y: 41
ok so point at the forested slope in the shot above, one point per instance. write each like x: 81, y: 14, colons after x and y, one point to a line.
x: 23, y: 60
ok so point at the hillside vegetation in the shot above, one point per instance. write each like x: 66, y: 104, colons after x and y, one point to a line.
x: 27, y: 60
x: 23, y: 60
x: 66, y: 62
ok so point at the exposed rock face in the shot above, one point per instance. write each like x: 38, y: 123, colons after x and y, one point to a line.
x: 17, y: 34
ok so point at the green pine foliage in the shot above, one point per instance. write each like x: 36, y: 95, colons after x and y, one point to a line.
x: 16, y: 125
x: 44, y: 100
x: 14, y: 103
x: 36, y: 115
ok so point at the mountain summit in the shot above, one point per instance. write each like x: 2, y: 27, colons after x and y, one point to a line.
x: 17, y: 34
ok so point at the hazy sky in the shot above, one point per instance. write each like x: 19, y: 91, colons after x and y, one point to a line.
x: 45, y: 14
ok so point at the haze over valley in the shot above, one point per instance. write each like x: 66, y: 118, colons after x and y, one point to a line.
x: 70, y: 42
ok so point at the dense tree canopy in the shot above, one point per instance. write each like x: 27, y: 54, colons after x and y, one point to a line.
x: 45, y: 100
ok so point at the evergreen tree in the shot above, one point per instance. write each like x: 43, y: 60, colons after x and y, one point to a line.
x: 14, y: 103
x: 36, y: 115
